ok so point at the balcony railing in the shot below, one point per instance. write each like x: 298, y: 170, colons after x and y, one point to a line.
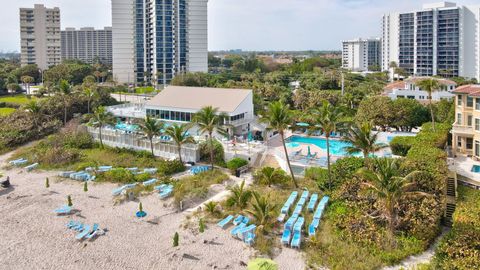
x: 462, y: 129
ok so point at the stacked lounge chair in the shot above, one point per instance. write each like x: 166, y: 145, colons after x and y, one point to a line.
x: 242, y: 230
x: 150, y: 170
x: 64, y: 210
x: 242, y: 233
x: 297, y: 232
x: 85, y: 231
x: 287, y: 205
x: 31, y: 167
x: 150, y: 182
x: 288, y: 228
x: 18, y: 162
x: 317, y: 215
x: 222, y: 223
x: 199, y: 169
x: 165, y: 191
x: 312, y: 202
x: 80, y: 176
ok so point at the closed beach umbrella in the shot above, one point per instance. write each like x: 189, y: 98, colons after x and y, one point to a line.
x: 309, y: 152
x: 262, y: 264
x: 301, y: 124
x: 250, y: 137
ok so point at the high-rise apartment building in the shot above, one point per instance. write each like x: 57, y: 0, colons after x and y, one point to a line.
x: 40, y: 36
x: 361, y: 54
x: 87, y: 44
x: 441, y: 39
x: 153, y: 40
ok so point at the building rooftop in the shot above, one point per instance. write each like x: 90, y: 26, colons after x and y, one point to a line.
x: 441, y: 81
x: 470, y: 89
x: 394, y: 85
x: 195, y: 98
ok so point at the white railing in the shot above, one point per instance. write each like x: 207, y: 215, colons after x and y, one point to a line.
x: 462, y: 129
x: 117, y: 138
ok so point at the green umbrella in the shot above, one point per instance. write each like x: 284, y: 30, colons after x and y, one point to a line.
x: 262, y: 264
x: 309, y: 152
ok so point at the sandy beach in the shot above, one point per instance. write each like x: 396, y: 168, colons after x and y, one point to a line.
x: 33, y: 237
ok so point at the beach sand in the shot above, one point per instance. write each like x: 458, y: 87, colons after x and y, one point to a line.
x: 33, y: 237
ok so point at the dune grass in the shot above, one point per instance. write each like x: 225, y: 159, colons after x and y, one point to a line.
x: 196, y: 186
x: 6, y: 111
x: 16, y: 99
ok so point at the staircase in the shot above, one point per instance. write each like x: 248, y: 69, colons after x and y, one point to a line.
x: 451, y: 195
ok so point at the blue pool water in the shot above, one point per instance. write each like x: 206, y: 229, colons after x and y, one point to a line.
x: 476, y: 169
x: 336, y: 146
x: 126, y: 127
x: 292, y: 144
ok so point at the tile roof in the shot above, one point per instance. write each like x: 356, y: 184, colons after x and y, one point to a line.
x: 471, y: 89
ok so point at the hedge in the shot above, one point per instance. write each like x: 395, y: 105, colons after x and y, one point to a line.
x: 401, y: 145
x: 236, y: 163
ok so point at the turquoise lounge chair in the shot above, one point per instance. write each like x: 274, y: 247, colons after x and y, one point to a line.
x: 238, y: 220
x: 296, y: 240
x: 94, y: 231
x: 235, y: 230
x: 72, y: 223
x: 149, y: 182
x: 312, y: 202
x: 311, y: 230
x: 78, y: 227
x: 287, y: 234
x: 118, y: 191
x: 225, y: 221
x: 242, y: 232
x: 64, y: 210
x: 250, y: 238
x: 245, y: 220
x: 86, y: 230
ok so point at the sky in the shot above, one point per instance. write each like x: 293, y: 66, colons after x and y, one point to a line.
x: 242, y: 24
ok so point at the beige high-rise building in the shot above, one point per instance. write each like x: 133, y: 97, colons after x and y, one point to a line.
x: 40, y: 36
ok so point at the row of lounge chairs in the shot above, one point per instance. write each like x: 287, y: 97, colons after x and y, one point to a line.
x: 317, y: 215
x: 242, y: 230
x: 199, y: 169
x: 123, y: 188
x: 165, y: 190
x: 86, y: 232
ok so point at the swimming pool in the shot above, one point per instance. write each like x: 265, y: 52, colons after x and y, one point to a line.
x: 476, y: 169
x: 337, y: 147
x: 126, y: 127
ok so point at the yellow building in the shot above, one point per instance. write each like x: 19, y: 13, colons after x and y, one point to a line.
x: 466, y: 129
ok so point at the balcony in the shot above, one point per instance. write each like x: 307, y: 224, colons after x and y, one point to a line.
x: 462, y: 129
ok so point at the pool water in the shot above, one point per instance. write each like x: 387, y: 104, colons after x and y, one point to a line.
x: 126, y: 127
x: 292, y: 144
x: 476, y: 168
x: 337, y: 147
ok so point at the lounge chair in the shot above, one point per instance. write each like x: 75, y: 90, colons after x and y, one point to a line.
x: 118, y: 191
x: 94, y: 231
x: 312, y: 202
x: 238, y: 220
x: 242, y: 233
x: 290, y: 222
x: 165, y: 193
x: 250, y: 238
x: 31, y: 167
x: 149, y: 182
x: 78, y: 227
x: 296, y: 240
x: 72, y: 223
x: 235, y: 230
x: 287, y: 234
x: 160, y: 187
x: 225, y: 221
x: 311, y: 230
x: 245, y: 220
x: 298, y: 227
x: 64, y: 210
x: 81, y: 235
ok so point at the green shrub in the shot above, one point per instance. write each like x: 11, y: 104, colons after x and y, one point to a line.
x: 400, y: 145
x: 218, y: 153
x: 171, y: 167
x: 79, y: 140
x: 117, y: 175
x: 319, y: 175
x: 236, y: 163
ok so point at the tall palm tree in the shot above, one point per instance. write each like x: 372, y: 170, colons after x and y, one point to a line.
x: 363, y: 139
x: 278, y: 117
x: 327, y: 119
x: 388, y: 187
x: 27, y: 80
x: 179, y: 134
x: 430, y: 85
x: 262, y: 210
x: 89, y: 93
x: 100, y: 118
x: 64, y: 89
x: 151, y: 128
x: 240, y: 196
x: 34, y: 109
x: 210, y: 120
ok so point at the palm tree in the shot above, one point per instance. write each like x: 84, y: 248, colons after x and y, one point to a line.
x: 390, y: 189
x: 240, y: 196
x: 262, y: 210
x: 27, y: 80
x: 279, y: 117
x: 151, y: 128
x: 327, y: 119
x: 209, y: 120
x: 363, y: 139
x: 34, y: 108
x: 100, y: 118
x: 430, y: 85
x: 179, y: 134
x: 89, y: 93
x: 64, y: 90
x: 269, y: 176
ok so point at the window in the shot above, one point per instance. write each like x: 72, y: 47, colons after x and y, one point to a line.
x: 477, y: 148
x: 459, y: 118
x: 469, y: 143
x: 459, y: 100
x: 477, y: 124
x: 469, y: 102
x: 469, y: 120
x: 459, y: 142
x: 477, y: 104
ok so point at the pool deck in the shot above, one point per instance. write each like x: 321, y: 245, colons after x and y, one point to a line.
x: 462, y: 165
